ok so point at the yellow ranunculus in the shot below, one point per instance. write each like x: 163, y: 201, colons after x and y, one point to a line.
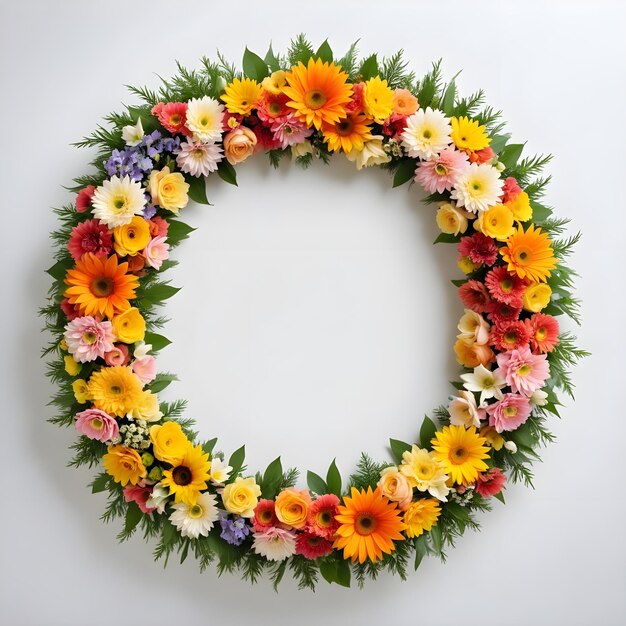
x: 81, y: 391
x: 494, y: 439
x: 131, y: 238
x: 241, y: 497
x: 520, y: 207
x: 71, y: 366
x: 466, y: 265
x: 169, y: 442
x: 421, y: 516
x: 536, y: 297
x: 496, y: 222
x: 147, y: 408
x: 292, y: 507
x: 274, y: 83
x: 472, y: 354
x: 450, y: 219
x: 377, y: 99
x: 168, y: 190
x: 129, y: 326
x: 124, y: 464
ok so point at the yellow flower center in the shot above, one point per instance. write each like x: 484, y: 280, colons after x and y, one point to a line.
x: 344, y: 128
x: 441, y: 169
x: 102, y: 286
x: 524, y: 370
x: 425, y: 471
x: 96, y: 423
x: 541, y: 334
x: 506, y: 285
x: 510, y: 337
x: 365, y: 524
x: 324, y: 519
x: 522, y: 256
x: 265, y: 516
x: 119, y: 202
x: 275, y: 108
x: 176, y: 119
x: 195, y: 511
x: 315, y: 99
x: 115, y: 389
x: 89, y: 337
x: 427, y: 133
x: 510, y: 411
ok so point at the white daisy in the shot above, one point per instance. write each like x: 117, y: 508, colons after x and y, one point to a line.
x: 275, y: 544
x: 195, y: 519
x: 489, y: 384
x: 426, y: 134
x: 204, y: 119
x: 373, y: 153
x: 117, y: 200
x: 478, y: 187
x: 199, y: 159
x: 133, y: 135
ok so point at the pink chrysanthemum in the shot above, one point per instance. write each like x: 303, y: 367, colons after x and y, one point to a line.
x: 322, y: 513
x: 290, y: 131
x: 505, y: 287
x: 524, y: 371
x: 510, y: 189
x: 509, y: 336
x: 490, y: 483
x: 482, y: 156
x: 139, y: 495
x: 275, y: 544
x: 264, y: 515
x: 88, y: 338
x: 509, y: 413
x: 90, y: 236
x: 394, y: 125
x: 172, y: 116
x: 474, y: 296
x: 440, y: 173
x: 312, y: 546
x: 479, y: 248
x: 199, y: 159
x: 96, y: 424
x: 83, y: 199
x: 544, y: 332
x: 501, y: 313
x: 272, y: 107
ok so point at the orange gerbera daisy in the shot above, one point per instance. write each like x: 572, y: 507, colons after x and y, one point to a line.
x: 369, y: 523
x: 348, y: 134
x: 100, y: 286
x: 318, y: 92
x: 529, y: 254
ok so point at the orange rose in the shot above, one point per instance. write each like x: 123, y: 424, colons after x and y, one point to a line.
x: 292, y: 507
x: 239, y: 144
x: 404, y: 102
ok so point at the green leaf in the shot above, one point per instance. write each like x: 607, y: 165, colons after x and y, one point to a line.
x: 158, y: 342
x: 446, y: 238
x: 510, y: 154
x: 540, y: 212
x: 435, y: 534
x: 197, y: 189
x: 169, y: 533
x: 405, y: 172
x: 177, y: 231
x: 459, y: 513
x: 328, y: 570
x: 549, y: 406
x: 447, y: 103
x: 333, y: 479
x: 278, y: 576
x: 236, y: 461
x: 498, y: 142
x: 369, y: 68
x: 271, y: 60
x: 59, y: 269
x: 161, y: 382
x: 254, y: 66
x: 427, y: 432
x: 426, y: 93
x: 316, y: 483
x: 325, y: 53
x: 185, y: 552
x: 159, y: 293
x: 499, y: 496
x: 421, y: 549
x: 272, y: 479
x: 208, y: 446
x: 343, y: 573
x: 100, y: 483
x: 149, y: 122
x: 133, y: 515
x: 398, y: 448
x: 227, y: 172
x: 458, y: 282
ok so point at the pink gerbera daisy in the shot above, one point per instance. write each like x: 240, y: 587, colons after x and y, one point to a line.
x: 197, y: 158
x: 474, y: 296
x: 290, y: 131
x: 83, y: 199
x: 505, y: 287
x: 312, y: 546
x: 510, y: 189
x: 501, y: 313
x: 490, y: 483
x: 96, y: 424
x: 544, y: 332
x: 322, y: 513
x: 509, y: 336
x: 264, y: 515
x: 90, y: 236
x: 524, y: 371
x: 509, y: 413
x: 88, y: 338
x: 172, y: 116
x: 479, y: 248
x: 440, y: 173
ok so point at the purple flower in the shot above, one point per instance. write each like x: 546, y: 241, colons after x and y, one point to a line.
x: 234, y: 531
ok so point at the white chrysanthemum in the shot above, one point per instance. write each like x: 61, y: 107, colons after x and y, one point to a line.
x: 478, y: 187
x: 275, y: 544
x: 489, y: 384
x: 426, y: 134
x: 195, y: 519
x: 133, y: 135
x: 204, y: 119
x: 373, y: 153
x: 220, y: 472
x: 117, y: 200
x: 199, y: 159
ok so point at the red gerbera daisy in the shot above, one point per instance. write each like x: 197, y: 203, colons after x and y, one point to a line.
x: 90, y: 236
x: 505, y: 287
x: 322, y: 513
x: 490, y: 483
x: 271, y: 106
x: 509, y: 336
x: 544, y: 332
x: 479, y: 248
x: 264, y: 516
x: 312, y: 546
x: 172, y: 116
x: 474, y: 296
x: 502, y: 313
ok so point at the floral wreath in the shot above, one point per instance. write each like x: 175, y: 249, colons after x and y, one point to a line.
x: 114, y: 243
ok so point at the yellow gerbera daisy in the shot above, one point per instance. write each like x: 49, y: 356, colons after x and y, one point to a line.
x: 241, y: 95
x: 115, y: 390
x: 468, y: 134
x: 529, y: 254
x: 318, y: 92
x: 124, y: 464
x: 421, y: 515
x: 369, y: 524
x: 347, y: 134
x: 188, y: 477
x: 462, y: 452
x: 377, y: 99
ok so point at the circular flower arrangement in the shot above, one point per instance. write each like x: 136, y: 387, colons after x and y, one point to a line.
x: 114, y: 244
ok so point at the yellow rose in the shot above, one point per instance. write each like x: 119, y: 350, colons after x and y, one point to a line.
x: 451, y: 220
x: 274, y: 83
x: 81, y: 391
x: 124, y: 464
x: 169, y: 442
x: 496, y: 222
x: 520, y: 207
x: 239, y: 144
x: 147, y: 408
x: 241, y: 497
x: 292, y: 507
x: 472, y: 354
x: 131, y: 238
x: 494, y: 439
x: 168, y: 190
x: 129, y: 326
x: 71, y: 366
x: 466, y: 265
x: 395, y: 487
x: 536, y: 297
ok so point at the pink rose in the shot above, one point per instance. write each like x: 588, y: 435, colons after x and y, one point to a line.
x: 145, y: 369
x: 118, y: 356
x: 96, y: 424
x: 239, y: 144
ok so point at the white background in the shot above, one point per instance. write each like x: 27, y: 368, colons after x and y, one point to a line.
x: 316, y: 319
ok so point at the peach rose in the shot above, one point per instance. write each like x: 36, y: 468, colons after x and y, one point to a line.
x: 239, y: 144
x: 395, y: 487
x: 292, y: 507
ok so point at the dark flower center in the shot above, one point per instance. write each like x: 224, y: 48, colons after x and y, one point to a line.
x: 102, y: 286
x: 181, y: 475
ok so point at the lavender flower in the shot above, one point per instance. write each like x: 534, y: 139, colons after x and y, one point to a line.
x: 234, y: 531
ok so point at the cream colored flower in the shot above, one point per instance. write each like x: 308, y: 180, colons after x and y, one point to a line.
x: 241, y: 496
x: 395, y: 487
x: 168, y: 189
x: 133, y: 135
x: 474, y: 328
x: 204, y: 119
x: 451, y: 219
x: 117, y: 200
x: 424, y: 472
x: 373, y: 153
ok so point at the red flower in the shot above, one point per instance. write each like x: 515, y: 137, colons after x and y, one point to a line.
x: 90, y: 236
x: 474, y: 296
x: 272, y: 106
x: 394, y: 125
x: 510, y: 189
x: 264, y: 135
x: 356, y: 104
x: 509, y: 336
x: 158, y: 227
x: 322, y: 513
x: 139, y: 495
x: 312, y: 547
x: 264, y: 516
x: 479, y: 248
x: 505, y: 287
x: 482, y: 156
x: 83, y: 199
x: 490, y: 483
x: 172, y: 116
x: 68, y: 309
x: 544, y: 332
x: 501, y: 313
